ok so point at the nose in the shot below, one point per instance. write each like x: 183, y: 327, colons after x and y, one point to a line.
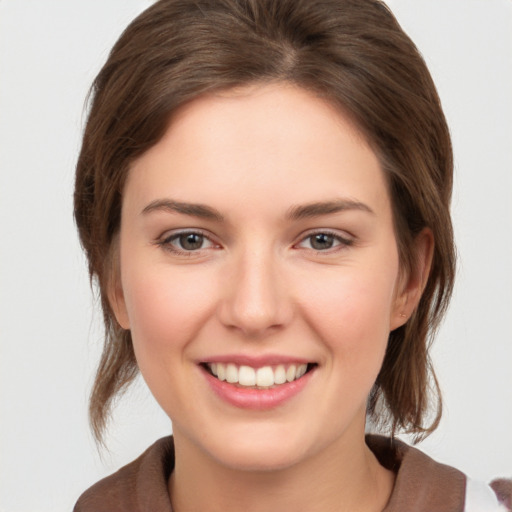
x: 256, y: 301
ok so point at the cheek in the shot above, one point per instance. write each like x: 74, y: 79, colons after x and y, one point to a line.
x: 166, y: 307
x: 352, y: 314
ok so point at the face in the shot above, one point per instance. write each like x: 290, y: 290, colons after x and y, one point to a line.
x: 259, y: 275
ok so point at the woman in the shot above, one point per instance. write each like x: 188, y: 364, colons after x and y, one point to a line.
x: 263, y: 195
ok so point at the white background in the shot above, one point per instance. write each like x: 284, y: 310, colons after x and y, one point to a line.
x: 49, y: 327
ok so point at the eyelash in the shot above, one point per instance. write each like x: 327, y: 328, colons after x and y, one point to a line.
x: 342, y: 242
x: 166, y: 242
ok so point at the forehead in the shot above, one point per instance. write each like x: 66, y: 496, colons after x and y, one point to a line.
x: 259, y: 145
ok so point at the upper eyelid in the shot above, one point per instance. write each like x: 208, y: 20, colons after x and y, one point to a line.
x: 166, y: 235
x: 344, y: 242
x: 339, y: 234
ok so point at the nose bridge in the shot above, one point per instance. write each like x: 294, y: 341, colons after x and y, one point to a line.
x: 256, y: 299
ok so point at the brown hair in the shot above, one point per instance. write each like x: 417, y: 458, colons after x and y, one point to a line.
x: 353, y: 54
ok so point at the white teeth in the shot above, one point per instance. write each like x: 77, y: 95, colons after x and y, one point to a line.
x: 247, y: 376
x: 231, y: 373
x: 280, y: 375
x: 221, y: 371
x: 264, y: 377
x: 291, y: 373
x: 301, y: 370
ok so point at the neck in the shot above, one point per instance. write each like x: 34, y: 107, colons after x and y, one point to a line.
x: 345, y: 476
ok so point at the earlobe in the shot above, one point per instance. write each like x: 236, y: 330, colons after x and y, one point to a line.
x: 410, y: 289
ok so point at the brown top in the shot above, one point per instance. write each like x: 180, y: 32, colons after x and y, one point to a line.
x: 422, y: 485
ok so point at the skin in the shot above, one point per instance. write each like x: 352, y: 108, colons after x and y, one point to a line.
x: 258, y: 286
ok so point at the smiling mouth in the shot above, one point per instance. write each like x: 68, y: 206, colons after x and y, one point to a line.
x: 264, y: 377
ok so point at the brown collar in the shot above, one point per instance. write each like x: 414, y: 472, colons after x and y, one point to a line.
x: 422, y: 485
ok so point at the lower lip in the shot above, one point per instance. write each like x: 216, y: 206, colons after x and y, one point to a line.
x: 257, y: 399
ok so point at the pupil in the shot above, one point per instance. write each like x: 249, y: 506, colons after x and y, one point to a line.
x: 322, y: 241
x: 191, y: 241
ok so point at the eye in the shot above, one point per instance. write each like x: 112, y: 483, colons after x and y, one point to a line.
x: 186, y: 242
x: 323, y: 241
x: 189, y: 241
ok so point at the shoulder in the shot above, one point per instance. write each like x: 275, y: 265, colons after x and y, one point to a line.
x: 136, y: 487
x: 422, y: 484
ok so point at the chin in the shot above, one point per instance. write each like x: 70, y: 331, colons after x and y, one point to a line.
x: 256, y: 449
x: 255, y: 458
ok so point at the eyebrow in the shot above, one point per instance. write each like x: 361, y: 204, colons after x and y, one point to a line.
x: 325, y: 208
x: 196, y: 210
x: 298, y: 212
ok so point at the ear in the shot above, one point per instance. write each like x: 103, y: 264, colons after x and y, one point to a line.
x: 115, y: 289
x: 118, y: 304
x: 410, y: 285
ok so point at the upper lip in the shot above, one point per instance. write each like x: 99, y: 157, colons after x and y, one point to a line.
x: 255, y: 361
